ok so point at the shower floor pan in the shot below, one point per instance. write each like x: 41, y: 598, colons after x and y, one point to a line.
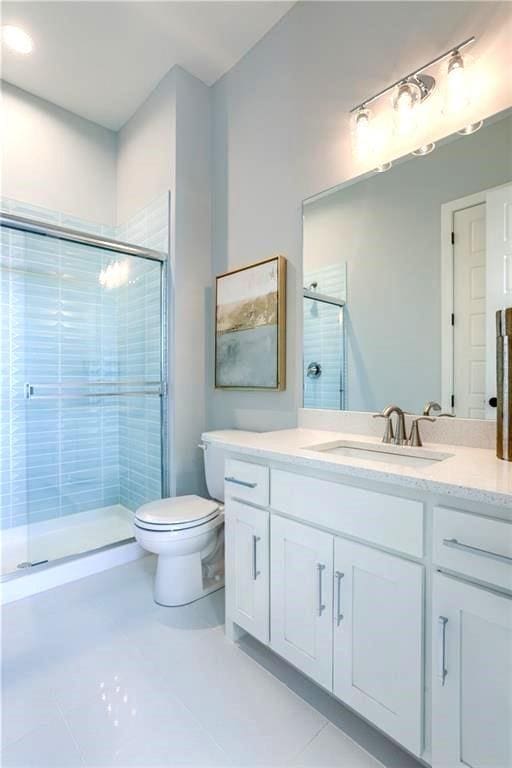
x: 60, y: 537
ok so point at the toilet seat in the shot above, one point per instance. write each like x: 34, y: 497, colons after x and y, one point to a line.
x: 176, y: 514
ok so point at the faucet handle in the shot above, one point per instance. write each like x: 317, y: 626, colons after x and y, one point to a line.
x: 415, y: 437
x: 388, y: 432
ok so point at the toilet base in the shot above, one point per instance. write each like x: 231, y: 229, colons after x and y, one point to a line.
x: 179, y: 580
x: 204, y: 593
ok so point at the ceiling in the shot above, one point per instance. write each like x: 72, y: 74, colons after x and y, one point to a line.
x: 100, y: 60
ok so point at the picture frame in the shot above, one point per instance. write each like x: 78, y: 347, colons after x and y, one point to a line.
x: 250, y: 327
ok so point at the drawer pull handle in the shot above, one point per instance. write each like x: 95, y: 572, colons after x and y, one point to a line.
x: 240, y: 482
x: 442, y: 621
x: 454, y: 544
x: 321, y: 605
x: 339, y: 615
x: 255, y: 572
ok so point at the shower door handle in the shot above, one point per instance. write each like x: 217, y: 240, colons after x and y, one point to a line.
x: 31, y: 389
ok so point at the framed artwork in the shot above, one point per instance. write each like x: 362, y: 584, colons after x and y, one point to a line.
x: 250, y: 327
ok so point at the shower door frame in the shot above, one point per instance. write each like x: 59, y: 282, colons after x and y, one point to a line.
x: 35, y: 227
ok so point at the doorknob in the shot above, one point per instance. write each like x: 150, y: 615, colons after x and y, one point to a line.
x: 493, y: 402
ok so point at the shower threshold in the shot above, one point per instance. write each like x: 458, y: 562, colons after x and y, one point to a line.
x: 53, y: 541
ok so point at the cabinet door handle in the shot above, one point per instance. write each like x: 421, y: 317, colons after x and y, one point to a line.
x: 240, y: 482
x: 321, y: 606
x: 442, y: 621
x: 455, y: 544
x: 255, y: 572
x: 339, y: 615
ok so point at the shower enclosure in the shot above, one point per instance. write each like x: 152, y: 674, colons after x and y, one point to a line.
x: 324, y: 351
x: 83, y: 390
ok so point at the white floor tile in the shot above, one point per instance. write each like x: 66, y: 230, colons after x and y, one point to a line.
x: 331, y: 748
x: 121, y: 714
x: 49, y: 746
x: 26, y: 706
x: 185, y: 748
x: 96, y: 671
x: 235, y: 700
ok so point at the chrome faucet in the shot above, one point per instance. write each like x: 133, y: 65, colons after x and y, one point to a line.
x: 415, y: 437
x: 431, y: 406
x: 398, y: 436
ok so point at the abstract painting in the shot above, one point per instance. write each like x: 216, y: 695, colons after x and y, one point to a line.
x: 250, y: 331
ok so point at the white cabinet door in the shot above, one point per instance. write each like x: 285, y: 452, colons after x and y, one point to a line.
x: 247, y: 568
x: 301, y: 597
x: 378, y: 633
x: 471, y: 676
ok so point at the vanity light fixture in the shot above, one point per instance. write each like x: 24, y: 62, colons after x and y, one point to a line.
x: 408, y: 95
x: 472, y: 128
x: 16, y: 39
x: 409, y: 92
x: 363, y: 130
x: 457, y: 83
x: 426, y: 149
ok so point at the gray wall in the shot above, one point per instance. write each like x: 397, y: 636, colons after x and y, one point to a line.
x: 165, y: 145
x: 55, y: 159
x: 281, y: 134
x: 388, y: 230
x: 146, y: 164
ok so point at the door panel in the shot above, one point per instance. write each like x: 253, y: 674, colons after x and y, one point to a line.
x: 247, y: 585
x: 301, y: 597
x: 469, y: 294
x: 378, y: 666
x: 472, y: 676
x: 499, y: 275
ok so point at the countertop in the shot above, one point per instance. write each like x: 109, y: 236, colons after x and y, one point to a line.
x: 475, y: 474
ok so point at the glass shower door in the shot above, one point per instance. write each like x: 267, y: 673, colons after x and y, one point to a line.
x: 83, y: 398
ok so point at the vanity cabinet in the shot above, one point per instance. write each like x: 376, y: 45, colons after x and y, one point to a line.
x: 351, y: 618
x: 378, y: 635
x: 247, y: 567
x: 472, y: 676
x: 301, y: 574
x: 376, y: 597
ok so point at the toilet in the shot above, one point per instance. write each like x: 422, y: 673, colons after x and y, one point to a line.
x: 187, y: 534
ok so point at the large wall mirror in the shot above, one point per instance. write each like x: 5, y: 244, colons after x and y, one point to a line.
x: 394, y: 311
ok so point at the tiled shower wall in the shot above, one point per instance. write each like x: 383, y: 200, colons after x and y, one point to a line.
x: 65, y: 455
x: 324, y: 338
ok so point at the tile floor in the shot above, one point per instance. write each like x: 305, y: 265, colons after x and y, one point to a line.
x: 96, y: 674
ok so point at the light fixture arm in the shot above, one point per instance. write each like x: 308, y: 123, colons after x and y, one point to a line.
x: 412, y: 75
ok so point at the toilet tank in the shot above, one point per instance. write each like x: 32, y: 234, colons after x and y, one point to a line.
x: 214, y: 457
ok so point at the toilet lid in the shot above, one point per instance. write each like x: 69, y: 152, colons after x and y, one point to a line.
x: 176, y: 510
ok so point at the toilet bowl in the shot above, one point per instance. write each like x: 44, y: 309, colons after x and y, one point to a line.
x: 183, y: 531
x: 187, y: 534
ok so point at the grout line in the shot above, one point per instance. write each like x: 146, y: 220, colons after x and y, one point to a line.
x: 296, y: 755
x: 68, y: 728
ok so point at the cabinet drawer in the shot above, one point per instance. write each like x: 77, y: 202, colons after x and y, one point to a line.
x: 476, y: 546
x: 389, y: 521
x: 249, y: 482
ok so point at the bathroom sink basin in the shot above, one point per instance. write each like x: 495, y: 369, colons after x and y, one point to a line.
x: 381, y: 452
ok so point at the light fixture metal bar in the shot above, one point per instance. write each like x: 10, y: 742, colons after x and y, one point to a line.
x: 421, y: 69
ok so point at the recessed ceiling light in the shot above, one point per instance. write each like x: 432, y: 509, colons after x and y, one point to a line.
x: 383, y: 168
x: 469, y: 129
x: 16, y: 39
x: 426, y: 149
